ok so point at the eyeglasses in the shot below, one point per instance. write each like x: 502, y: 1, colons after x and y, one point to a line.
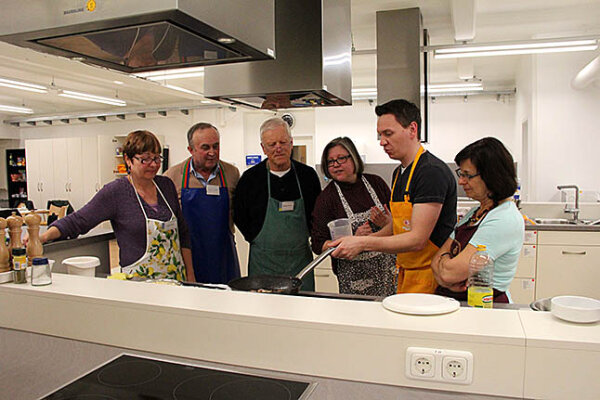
x: 461, y: 174
x: 148, y: 160
x: 339, y: 161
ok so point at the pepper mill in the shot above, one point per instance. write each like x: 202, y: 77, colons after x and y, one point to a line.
x: 4, y: 258
x: 34, y: 245
x: 15, y: 223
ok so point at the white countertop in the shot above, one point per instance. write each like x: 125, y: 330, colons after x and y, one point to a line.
x: 356, y: 340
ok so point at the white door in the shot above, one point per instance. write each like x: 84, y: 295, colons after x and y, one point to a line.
x: 61, y: 169
x: 32, y: 155
x: 40, y: 171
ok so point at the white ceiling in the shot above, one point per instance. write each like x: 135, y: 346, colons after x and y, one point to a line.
x: 495, y: 21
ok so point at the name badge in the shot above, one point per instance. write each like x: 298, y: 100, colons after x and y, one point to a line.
x: 212, y: 190
x: 169, y: 225
x: 286, y: 206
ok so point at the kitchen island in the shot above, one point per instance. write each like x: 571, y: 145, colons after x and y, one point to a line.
x: 516, y: 353
x: 94, y: 243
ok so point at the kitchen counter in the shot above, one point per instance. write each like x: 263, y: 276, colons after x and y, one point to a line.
x: 563, y: 227
x: 93, y: 243
x: 336, y: 339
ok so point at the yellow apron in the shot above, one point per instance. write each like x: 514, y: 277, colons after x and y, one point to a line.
x: 414, y: 267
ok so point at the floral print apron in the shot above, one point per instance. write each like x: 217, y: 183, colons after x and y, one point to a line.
x: 370, y: 273
x: 162, y: 258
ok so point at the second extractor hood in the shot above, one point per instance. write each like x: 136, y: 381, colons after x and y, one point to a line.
x: 143, y: 35
x: 313, y: 64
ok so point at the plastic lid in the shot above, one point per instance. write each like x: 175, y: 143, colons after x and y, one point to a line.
x: 18, y: 251
x: 40, y: 261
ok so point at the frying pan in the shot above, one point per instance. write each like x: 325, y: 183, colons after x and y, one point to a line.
x: 277, y: 283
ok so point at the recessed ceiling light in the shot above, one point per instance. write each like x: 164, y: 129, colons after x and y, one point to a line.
x: 165, y: 73
x: 118, y: 82
x: 226, y: 40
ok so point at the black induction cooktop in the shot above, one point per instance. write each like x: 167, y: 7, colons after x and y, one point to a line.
x: 129, y: 377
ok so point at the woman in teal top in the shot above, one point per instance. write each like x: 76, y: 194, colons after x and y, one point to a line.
x: 487, y: 174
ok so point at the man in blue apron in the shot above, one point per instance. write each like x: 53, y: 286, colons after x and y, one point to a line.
x: 205, y: 186
x: 273, y: 204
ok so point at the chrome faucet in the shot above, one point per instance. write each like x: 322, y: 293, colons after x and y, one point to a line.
x: 575, y: 209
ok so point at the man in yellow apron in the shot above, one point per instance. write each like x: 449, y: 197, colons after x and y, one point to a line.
x: 423, y: 202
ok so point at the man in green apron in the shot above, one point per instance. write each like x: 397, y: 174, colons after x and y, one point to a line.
x: 272, y: 206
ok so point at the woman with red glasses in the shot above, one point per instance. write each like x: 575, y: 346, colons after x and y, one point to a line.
x: 144, y: 212
x: 359, y: 197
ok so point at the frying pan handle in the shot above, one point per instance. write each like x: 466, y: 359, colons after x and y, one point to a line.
x: 315, y: 262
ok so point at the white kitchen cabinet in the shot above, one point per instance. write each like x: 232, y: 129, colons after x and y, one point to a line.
x: 40, y: 171
x: 567, y: 264
x: 325, y: 279
x: 91, y: 180
x: 69, y: 171
x: 522, y: 288
x: 63, y: 169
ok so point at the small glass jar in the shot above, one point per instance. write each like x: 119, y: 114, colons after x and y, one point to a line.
x: 19, y: 265
x: 40, y: 272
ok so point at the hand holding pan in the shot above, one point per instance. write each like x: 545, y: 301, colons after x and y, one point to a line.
x: 277, y: 283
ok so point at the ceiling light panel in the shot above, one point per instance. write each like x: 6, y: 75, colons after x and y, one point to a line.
x: 30, y: 87
x: 502, y: 49
x: 189, y: 72
x: 89, y: 97
x: 13, y: 109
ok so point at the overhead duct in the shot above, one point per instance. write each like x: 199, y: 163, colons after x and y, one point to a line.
x: 588, y: 75
x: 143, y: 35
x: 402, y: 69
x: 463, y: 18
x: 313, y: 65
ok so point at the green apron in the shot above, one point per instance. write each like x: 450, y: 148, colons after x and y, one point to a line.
x: 281, y: 247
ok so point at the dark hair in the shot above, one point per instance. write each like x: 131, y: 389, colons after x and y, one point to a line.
x: 404, y: 111
x: 347, y: 144
x: 198, y: 127
x: 494, y: 164
x: 138, y: 142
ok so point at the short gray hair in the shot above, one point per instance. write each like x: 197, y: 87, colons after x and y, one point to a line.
x: 198, y: 127
x: 273, y: 123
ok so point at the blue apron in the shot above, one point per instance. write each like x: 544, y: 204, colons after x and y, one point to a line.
x: 207, y: 216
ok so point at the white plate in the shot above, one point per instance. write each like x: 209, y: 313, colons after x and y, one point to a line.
x: 420, y: 304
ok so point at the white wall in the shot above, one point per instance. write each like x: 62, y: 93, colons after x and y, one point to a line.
x: 567, y: 132
x: 453, y: 125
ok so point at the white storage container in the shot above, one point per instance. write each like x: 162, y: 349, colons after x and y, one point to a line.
x: 85, y: 265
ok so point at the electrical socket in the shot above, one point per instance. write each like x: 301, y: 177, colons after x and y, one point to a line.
x: 440, y: 365
x: 454, y: 368
x: 422, y: 365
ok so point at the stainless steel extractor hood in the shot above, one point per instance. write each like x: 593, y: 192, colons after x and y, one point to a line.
x: 402, y: 69
x: 313, y: 65
x: 143, y: 35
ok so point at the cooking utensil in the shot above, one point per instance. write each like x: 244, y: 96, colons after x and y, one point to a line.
x: 277, y: 283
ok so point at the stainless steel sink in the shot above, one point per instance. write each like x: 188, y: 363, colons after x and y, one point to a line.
x: 554, y: 221
x: 541, y: 304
